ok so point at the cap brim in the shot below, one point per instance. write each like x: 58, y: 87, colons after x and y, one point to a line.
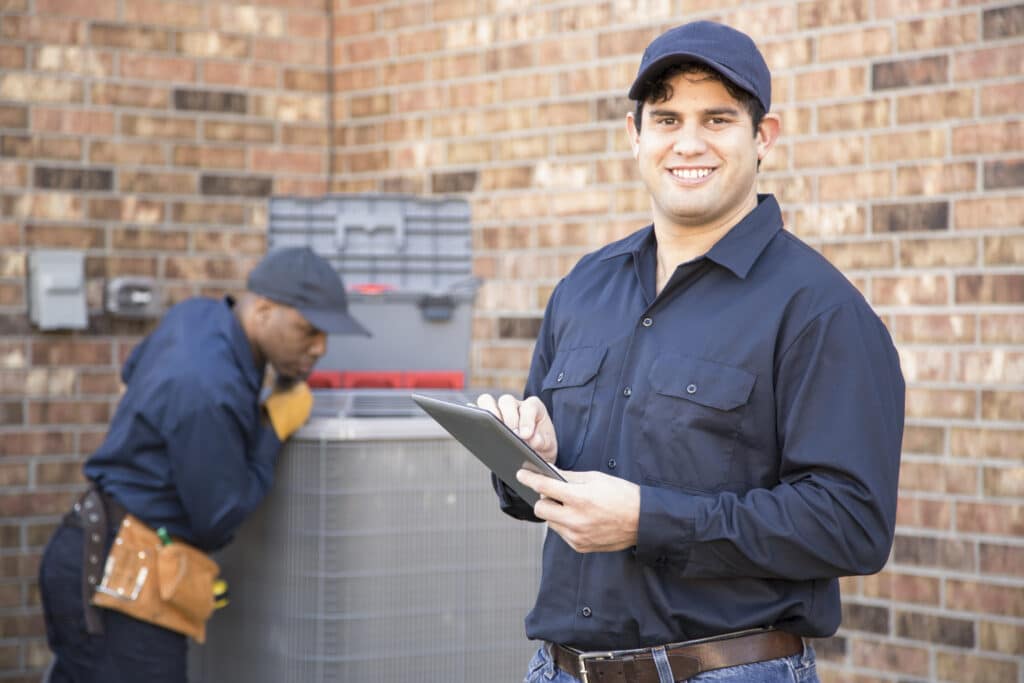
x: 666, y: 61
x: 334, y: 322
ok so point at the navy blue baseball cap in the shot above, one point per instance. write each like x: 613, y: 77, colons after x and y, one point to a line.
x: 298, y: 277
x: 724, y: 49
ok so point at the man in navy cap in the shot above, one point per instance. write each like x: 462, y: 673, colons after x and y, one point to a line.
x: 725, y: 405
x: 191, y: 451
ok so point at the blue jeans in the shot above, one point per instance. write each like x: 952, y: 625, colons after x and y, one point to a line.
x: 796, y: 669
x: 128, y: 651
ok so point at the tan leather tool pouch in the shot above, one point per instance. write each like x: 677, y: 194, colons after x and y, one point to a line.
x: 167, y: 585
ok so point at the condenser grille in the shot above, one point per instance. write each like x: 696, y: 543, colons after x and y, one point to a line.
x: 376, y: 561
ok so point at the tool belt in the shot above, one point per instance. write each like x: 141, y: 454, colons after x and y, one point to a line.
x: 168, y: 585
x: 686, y: 659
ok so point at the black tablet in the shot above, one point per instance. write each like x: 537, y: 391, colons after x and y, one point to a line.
x: 490, y: 440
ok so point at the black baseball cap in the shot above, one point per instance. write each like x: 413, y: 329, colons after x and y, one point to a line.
x: 298, y: 277
x: 724, y: 49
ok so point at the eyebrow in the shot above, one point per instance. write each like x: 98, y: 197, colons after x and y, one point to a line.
x: 713, y: 111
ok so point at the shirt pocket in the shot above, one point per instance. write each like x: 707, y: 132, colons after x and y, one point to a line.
x: 692, y: 422
x: 571, y: 380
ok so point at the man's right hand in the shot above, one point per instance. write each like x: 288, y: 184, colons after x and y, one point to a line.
x: 529, y: 419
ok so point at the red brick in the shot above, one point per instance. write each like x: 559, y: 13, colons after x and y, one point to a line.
x: 831, y: 83
x: 36, y: 443
x: 969, y: 668
x: 990, y: 63
x: 931, y: 253
x: 989, y: 212
x: 936, y: 178
x: 993, y: 366
x: 127, y: 153
x: 89, y: 9
x: 57, y: 473
x: 924, y: 513
x: 930, y: 477
x: 998, y: 289
x: 926, y: 364
x: 65, y: 413
x: 176, y: 13
x: 248, y: 19
x: 927, y: 551
x: 867, y: 184
x: 1001, y: 637
x: 939, y: 31
x: 989, y: 137
x: 990, y: 518
x: 143, y: 182
x: 855, y: 44
x: 986, y: 443
x: 891, y: 658
x: 1004, y: 482
x: 925, y: 289
x: 60, y: 236
x: 889, y: 585
x: 1002, y: 99
x: 860, y: 255
x: 212, y: 44
x: 405, y: 15
x: 1000, y: 328
x: 937, y: 106
x: 975, y: 596
x: 245, y: 75
x: 1002, y: 405
x: 99, y: 383
x: 925, y: 440
x: 159, y: 69
x: 1004, y: 250
x: 920, y: 144
x: 216, y: 213
x: 135, y: 96
x: 223, y: 131
x: 940, y: 403
x: 210, y: 157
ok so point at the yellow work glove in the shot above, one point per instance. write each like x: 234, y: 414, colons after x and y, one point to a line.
x: 288, y: 408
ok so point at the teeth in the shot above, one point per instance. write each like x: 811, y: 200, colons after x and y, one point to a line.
x: 691, y: 173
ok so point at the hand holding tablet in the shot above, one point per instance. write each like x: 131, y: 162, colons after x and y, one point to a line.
x: 490, y: 440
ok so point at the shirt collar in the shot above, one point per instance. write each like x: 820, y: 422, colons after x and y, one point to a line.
x: 737, y: 250
x: 241, y: 349
x: 742, y: 245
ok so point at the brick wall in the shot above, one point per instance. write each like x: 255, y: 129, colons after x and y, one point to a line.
x: 147, y: 133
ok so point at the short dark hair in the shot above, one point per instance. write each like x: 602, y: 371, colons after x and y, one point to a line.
x: 659, y: 90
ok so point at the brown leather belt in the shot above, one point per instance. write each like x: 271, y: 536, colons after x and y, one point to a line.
x: 97, y: 514
x: 686, y: 659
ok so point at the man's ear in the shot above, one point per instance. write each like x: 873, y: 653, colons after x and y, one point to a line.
x: 261, y: 310
x: 634, y: 133
x: 767, y: 133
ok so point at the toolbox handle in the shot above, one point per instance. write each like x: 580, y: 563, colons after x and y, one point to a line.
x: 436, y: 308
x: 383, y: 220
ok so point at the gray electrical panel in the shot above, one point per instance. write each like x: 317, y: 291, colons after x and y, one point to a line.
x: 56, y: 291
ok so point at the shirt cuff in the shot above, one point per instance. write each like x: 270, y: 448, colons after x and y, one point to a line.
x: 666, y: 532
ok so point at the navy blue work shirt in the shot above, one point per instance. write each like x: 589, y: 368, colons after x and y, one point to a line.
x: 187, y: 448
x: 758, y: 403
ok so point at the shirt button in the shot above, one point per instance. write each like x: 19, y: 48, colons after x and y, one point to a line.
x: 560, y: 377
x: 691, y: 388
x: 627, y: 392
x: 612, y: 464
x: 646, y: 322
x: 586, y: 612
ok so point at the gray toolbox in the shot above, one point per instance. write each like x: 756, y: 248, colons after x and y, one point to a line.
x: 407, y: 264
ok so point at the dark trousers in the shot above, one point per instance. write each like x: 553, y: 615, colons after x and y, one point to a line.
x: 128, y: 651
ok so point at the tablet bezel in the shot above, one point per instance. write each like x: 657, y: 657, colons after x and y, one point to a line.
x: 490, y: 440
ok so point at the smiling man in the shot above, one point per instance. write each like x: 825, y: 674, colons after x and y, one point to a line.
x: 726, y: 408
x: 190, y: 451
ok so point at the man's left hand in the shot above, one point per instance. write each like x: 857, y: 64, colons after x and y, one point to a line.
x: 593, y: 512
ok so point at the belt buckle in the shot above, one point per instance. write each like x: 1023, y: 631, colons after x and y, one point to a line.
x: 585, y: 657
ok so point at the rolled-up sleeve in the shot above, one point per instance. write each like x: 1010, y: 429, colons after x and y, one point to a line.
x: 839, y: 399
